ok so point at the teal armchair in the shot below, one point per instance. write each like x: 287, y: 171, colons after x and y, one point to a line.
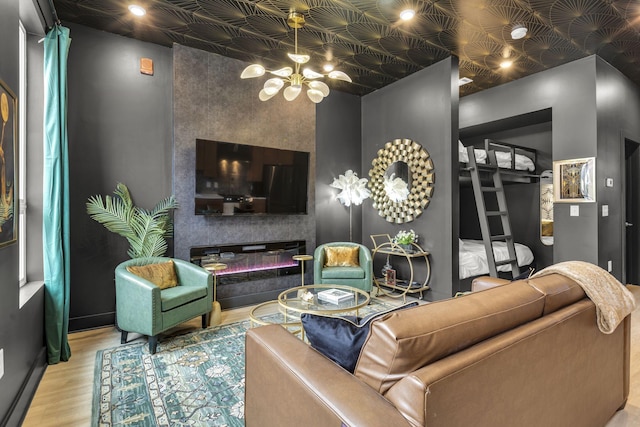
x: 358, y: 277
x: 143, y: 308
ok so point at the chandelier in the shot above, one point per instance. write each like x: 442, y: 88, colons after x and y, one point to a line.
x: 316, y: 89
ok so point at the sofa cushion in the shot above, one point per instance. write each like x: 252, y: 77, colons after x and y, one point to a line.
x: 341, y: 256
x: 340, y: 338
x: 163, y: 274
x: 560, y: 291
x: 342, y: 273
x: 405, y: 341
x: 180, y: 295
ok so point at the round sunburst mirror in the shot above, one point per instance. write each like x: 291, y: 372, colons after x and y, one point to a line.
x: 401, y: 180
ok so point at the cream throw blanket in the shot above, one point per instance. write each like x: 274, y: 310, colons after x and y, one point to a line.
x: 612, y: 299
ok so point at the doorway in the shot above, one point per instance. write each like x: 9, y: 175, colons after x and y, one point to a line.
x: 631, y: 218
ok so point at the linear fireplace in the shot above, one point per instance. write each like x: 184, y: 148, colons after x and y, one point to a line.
x: 251, y: 261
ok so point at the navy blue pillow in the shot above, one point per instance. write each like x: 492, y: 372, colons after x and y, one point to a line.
x: 340, y: 338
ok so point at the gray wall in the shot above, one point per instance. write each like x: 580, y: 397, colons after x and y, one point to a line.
x: 592, y: 103
x: 338, y: 149
x: 422, y: 107
x: 120, y: 130
x: 212, y: 102
x: 21, y: 330
x: 618, y: 107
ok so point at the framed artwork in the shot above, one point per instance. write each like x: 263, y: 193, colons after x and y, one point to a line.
x: 8, y: 173
x: 574, y: 180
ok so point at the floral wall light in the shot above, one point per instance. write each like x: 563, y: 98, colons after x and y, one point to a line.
x: 354, y: 192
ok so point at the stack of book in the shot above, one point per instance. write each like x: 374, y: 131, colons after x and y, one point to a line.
x: 335, y: 296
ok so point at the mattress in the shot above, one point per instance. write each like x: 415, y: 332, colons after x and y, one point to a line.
x: 503, y: 158
x: 473, y: 258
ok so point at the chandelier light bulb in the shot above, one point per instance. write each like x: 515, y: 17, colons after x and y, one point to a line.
x: 339, y: 75
x: 320, y: 86
x: 292, y: 92
x: 254, y: 70
x: 299, y: 59
x: 310, y: 74
x: 315, y: 95
x: 273, y: 86
x: 327, y: 67
x: 265, y: 96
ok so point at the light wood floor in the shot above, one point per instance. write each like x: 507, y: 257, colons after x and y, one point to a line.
x: 65, y: 392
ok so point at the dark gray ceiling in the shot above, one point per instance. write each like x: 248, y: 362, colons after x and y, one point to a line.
x: 366, y: 39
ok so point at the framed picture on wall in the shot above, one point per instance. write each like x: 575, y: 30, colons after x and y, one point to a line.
x: 574, y: 180
x: 8, y: 173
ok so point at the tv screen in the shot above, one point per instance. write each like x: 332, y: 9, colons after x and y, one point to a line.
x: 236, y: 179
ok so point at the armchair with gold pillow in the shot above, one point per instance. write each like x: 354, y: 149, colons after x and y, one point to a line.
x: 343, y: 263
x: 155, y: 294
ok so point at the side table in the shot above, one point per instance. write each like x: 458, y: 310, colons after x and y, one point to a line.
x: 302, y: 258
x: 215, y: 318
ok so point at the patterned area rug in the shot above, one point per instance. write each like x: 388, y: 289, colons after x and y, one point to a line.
x: 196, y: 379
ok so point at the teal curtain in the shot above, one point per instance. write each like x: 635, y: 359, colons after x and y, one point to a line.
x: 55, y: 232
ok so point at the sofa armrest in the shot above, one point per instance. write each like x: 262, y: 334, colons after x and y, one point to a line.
x: 487, y: 282
x: 289, y: 383
x: 193, y: 275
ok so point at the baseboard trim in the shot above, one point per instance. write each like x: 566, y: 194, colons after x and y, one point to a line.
x: 20, y: 405
x: 94, y: 321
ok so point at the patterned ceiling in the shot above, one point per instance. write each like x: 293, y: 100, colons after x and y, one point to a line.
x: 367, y: 40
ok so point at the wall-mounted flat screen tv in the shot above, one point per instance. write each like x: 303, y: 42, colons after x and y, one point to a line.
x: 237, y: 179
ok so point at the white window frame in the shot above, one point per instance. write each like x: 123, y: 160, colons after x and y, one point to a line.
x: 22, y: 156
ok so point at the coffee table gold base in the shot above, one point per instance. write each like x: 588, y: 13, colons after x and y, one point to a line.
x: 215, y: 316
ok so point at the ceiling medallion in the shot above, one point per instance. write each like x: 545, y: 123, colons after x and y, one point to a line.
x: 317, y: 90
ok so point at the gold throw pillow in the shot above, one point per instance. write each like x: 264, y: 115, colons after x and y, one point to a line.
x: 341, y: 256
x: 162, y: 275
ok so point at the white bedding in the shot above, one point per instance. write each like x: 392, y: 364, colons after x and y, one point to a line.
x: 473, y: 258
x: 503, y: 158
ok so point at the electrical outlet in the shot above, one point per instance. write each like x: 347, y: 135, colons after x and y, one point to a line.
x: 1, y: 362
x: 609, y: 266
x: 605, y: 210
x: 574, y: 210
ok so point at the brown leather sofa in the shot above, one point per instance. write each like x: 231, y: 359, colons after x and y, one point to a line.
x: 528, y: 353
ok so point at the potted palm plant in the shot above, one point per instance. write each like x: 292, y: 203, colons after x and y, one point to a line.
x: 145, y: 230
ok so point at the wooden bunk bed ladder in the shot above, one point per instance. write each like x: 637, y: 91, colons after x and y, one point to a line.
x: 481, y: 190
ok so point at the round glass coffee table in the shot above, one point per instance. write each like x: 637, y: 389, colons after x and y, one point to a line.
x: 308, y: 299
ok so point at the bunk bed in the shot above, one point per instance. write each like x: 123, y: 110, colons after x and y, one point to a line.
x: 516, y: 165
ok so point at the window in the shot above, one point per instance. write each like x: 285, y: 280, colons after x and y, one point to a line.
x: 22, y: 155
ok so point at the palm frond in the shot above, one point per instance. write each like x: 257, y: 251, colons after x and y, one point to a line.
x: 144, y: 230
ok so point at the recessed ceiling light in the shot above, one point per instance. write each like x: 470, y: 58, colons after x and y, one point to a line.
x: 327, y: 67
x: 506, y: 64
x: 407, y: 14
x: 137, y: 10
x: 518, y: 31
x: 464, y: 80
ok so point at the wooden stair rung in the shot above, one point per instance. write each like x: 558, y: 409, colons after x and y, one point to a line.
x: 506, y: 261
x: 491, y: 189
x: 501, y: 237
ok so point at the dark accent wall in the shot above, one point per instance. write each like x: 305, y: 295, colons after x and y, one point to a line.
x: 422, y: 107
x: 21, y: 330
x: 592, y: 105
x: 338, y: 149
x: 212, y: 102
x: 120, y: 130
x: 618, y: 110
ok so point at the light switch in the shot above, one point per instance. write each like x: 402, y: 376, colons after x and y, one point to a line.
x: 574, y: 210
x: 608, y: 182
x: 609, y: 266
x: 605, y: 210
x: 1, y: 362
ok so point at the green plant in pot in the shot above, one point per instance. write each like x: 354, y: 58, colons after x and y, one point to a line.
x: 145, y: 230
